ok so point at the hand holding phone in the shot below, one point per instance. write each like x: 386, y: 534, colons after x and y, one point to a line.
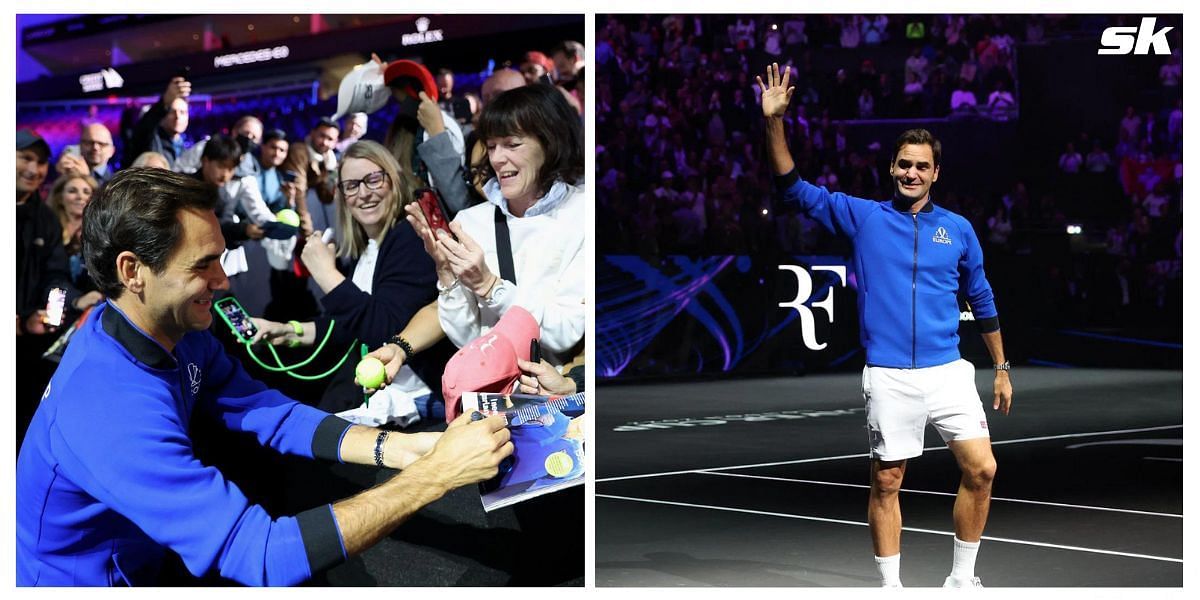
x: 236, y: 318
x: 434, y: 212
x: 55, y: 305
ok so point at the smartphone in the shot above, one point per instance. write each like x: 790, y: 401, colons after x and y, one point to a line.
x: 236, y: 318
x: 535, y: 351
x: 73, y: 150
x: 55, y: 304
x: 431, y: 207
x: 288, y: 176
x: 184, y: 72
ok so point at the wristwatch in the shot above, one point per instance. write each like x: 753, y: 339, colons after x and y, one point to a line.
x: 1004, y: 366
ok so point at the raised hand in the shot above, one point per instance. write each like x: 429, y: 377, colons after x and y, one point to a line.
x: 775, y: 93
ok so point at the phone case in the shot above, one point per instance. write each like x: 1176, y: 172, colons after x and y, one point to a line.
x: 231, y: 311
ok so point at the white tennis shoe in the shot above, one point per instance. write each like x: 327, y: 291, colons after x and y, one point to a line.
x: 954, y: 582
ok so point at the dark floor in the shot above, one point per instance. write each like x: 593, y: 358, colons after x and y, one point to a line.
x: 762, y: 482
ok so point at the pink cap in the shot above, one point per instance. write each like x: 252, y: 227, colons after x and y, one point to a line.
x: 489, y: 362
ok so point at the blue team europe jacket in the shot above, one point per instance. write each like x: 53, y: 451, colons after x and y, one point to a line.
x: 106, y: 476
x: 910, y: 269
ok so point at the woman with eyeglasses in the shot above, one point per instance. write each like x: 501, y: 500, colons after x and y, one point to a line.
x: 390, y: 277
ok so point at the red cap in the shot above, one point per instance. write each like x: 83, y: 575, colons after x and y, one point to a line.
x: 534, y: 56
x: 489, y: 362
x: 411, y: 76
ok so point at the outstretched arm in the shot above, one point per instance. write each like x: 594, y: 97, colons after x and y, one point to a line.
x: 775, y: 97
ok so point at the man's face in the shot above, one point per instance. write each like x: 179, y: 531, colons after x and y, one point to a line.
x: 176, y: 120
x: 564, y: 64
x: 273, y: 153
x: 914, y: 172
x: 96, y: 145
x: 531, y: 71
x: 323, y: 139
x: 445, y: 84
x: 252, y: 129
x: 217, y: 172
x: 31, y: 172
x: 179, y: 299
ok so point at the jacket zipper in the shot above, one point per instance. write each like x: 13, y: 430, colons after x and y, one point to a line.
x: 914, y: 292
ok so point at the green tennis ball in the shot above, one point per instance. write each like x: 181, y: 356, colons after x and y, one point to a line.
x: 288, y: 216
x: 370, y: 373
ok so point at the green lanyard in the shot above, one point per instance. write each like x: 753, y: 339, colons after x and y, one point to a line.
x: 289, y: 368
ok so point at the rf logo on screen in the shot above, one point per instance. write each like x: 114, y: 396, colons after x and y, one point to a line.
x: 804, y: 289
x: 1137, y: 40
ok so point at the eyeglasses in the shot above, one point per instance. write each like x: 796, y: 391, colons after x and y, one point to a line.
x: 94, y: 143
x: 372, y: 181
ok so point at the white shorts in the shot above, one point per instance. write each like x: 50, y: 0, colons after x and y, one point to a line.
x: 901, y: 401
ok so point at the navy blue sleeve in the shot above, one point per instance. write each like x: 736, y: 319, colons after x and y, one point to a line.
x: 404, y: 282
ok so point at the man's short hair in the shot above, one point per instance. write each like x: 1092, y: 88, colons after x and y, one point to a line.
x: 222, y: 148
x: 327, y: 122
x: 569, y: 48
x: 919, y: 137
x: 273, y: 135
x: 138, y: 211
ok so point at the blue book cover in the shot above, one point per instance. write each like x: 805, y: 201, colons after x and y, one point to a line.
x: 548, y: 451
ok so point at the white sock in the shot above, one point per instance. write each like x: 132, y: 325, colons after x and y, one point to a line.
x: 889, y: 569
x: 964, y: 559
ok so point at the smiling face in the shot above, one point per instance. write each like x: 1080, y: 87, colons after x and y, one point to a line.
x: 31, y: 172
x: 914, y: 171
x: 323, y: 139
x: 179, y: 299
x: 75, y: 197
x: 371, y: 208
x: 517, y: 161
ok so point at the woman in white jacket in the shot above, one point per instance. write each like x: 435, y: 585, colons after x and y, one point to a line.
x: 533, y: 170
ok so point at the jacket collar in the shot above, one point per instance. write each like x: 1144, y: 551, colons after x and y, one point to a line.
x: 134, y: 340
x: 928, y: 208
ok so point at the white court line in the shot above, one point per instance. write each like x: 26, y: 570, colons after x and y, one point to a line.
x: 951, y: 494
x: 913, y: 529
x: 867, y: 455
x: 1163, y: 458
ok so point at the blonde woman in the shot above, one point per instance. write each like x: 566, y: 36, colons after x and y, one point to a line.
x: 388, y: 279
x: 69, y: 196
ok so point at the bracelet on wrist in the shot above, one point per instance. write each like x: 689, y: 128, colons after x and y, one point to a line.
x: 404, y: 345
x: 298, y: 329
x: 383, y: 436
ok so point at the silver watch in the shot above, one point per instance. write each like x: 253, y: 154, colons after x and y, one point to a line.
x: 1004, y: 366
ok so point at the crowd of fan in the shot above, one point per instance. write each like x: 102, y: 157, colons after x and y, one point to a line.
x: 263, y: 172
x: 681, y: 169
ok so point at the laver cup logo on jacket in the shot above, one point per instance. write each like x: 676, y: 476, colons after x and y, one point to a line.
x: 194, y: 376
x: 940, y: 236
x: 804, y: 289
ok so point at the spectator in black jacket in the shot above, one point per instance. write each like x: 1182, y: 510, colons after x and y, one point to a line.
x: 41, y: 266
x: 160, y: 129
